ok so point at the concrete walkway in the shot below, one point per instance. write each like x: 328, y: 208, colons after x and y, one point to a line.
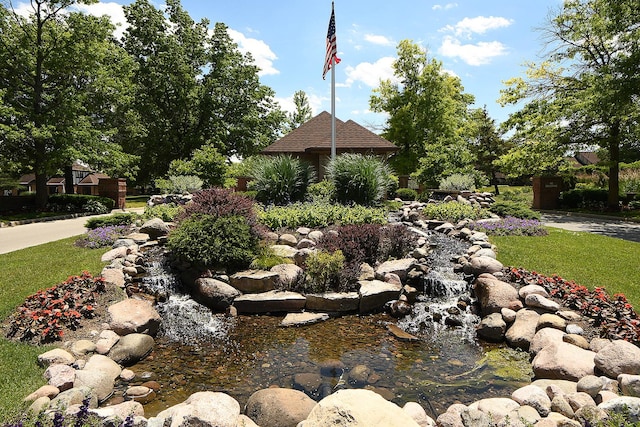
x: 607, y: 226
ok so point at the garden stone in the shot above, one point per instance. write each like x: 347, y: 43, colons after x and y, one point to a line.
x: 138, y: 238
x: 597, y: 344
x: 113, y: 276
x: 315, y: 235
x: 555, y: 387
x: 302, y: 319
x: 134, y: 316
x: 303, y: 231
x: 532, y: 289
x: 579, y: 399
x: 543, y: 338
x: 574, y: 329
x: 496, y: 407
x: 306, y: 243
x: 590, y: 415
x: 73, y: 396
x: 605, y: 396
x: 419, y: 253
x: 288, y: 239
x: 333, y: 302
x: 359, y: 375
x: 493, y: 294
x: 576, y: 340
x: 287, y: 273
x: 419, y: 415
x: 560, y: 405
x: 40, y: 404
x: 449, y: 419
x: 492, y: 328
x: 590, y: 384
x: 100, y: 382
x: 485, y: 252
x: 104, y: 364
x: 475, y: 418
x: 508, y: 315
x: 121, y: 410
x: 398, y: 266
x: 82, y: 347
x: 563, y: 361
x: 569, y: 315
x: 155, y: 227
x: 107, y: 339
x: 619, y: 357
x: 113, y: 254
x: 123, y: 242
x: 205, y: 408
x: 622, y: 405
x: 374, y: 294
x: 127, y: 375
x: 523, y: 329
x: 60, y: 376
x: 482, y: 264
x: 131, y: 348
x: 548, y: 320
x: 254, y: 281
x: 215, y: 294
x: 270, y: 302
x: 278, y: 407
x: 285, y: 251
x: 56, y: 356
x: 538, y: 301
x: 560, y: 420
x: 533, y: 396
x: 523, y: 416
x: 357, y: 407
x: 47, y: 390
x: 140, y: 393
x: 629, y: 384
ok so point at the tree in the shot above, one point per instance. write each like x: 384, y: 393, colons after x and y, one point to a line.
x: 427, y: 108
x: 56, y: 75
x: 586, y: 91
x: 193, y: 89
x: 302, y: 113
x: 206, y: 163
x: 485, y: 143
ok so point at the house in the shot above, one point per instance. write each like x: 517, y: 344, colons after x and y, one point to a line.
x: 583, y: 158
x: 311, y: 142
x: 85, y: 181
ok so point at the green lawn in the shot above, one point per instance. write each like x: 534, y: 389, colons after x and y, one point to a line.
x: 588, y: 259
x: 22, y: 273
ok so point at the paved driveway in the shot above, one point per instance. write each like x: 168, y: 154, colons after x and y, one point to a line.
x: 626, y: 230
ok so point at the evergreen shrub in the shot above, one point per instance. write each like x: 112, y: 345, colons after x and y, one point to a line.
x: 359, y: 179
x: 281, y: 180
x: 589, y: 198
x: 407, y: 194
x: 111, y: 220
x: 79, y: 203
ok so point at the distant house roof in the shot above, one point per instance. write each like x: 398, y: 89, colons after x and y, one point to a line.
x: 314, y: 136
x: 93, y: 179
x: 587, y: 158
x: 27, y: 179
x: 56, y: 181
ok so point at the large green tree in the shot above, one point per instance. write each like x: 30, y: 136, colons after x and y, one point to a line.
x: 585, y: 92
x: 58, y: 90
x: 427, y: 108
x: 195, y: 89
x: 302, y: 112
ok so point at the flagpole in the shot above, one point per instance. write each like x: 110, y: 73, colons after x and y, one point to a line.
x: 333, y: 109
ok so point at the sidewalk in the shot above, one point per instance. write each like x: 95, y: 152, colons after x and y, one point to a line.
x: 598, y: 224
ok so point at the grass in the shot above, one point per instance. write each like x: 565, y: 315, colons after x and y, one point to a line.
x: 23, y: 273
x: 588, y: 259
x: 136, y: 201
x: 27, y: 215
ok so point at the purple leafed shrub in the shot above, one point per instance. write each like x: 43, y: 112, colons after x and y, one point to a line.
x: 511, y: 226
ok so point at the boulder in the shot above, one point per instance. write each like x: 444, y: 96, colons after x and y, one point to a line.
x: 134, y: 316
x: 114, y: 254
x: 131, y: 348
x: 629, y: 384
x: 590, y: 384
x: 576, y: 340
x: 493, y: 294
x: 82, y: 347
x: 419, y: 415
x: 482, y: 264
x: 106, y: 340
x: 55, y: 356
x: 398, y: 266
x: 374, y: 294
x: 120, y: 410
x: 532, y: 289
x: 543, y: 338
x: 270, y: 302
x: 100, y: 382
x: 105, y: 364
x: 496, y: 407
x: 533, y: 396
x: 214, y: 293
x: 619, y: 357
x: 113, y: 276
x: 548, y: 320
x: 623, y: 405
x: 73, y: 396
x: 60, y: 376
x: 278, y: 407
x: 155, y: 227
x: 287, y: 273
x: 302, y: 319
x: 333, y: 302
x: 254, y: 281
x: 523, y: 329
x: 285, y: 251
x: 288, y: 239
x: 357, y: 407
x: 563, y: 361
x: 538, y: 301
x: 492, y: 328
x: 49, y: 391
x: 205, y: 408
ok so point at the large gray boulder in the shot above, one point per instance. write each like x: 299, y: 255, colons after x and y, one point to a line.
x: 494, y: 294
x: 482, y: 264
x: 492, y: 328
x: 155, y: 227
x: 523, y: 329
x: 278, y: 407
x: 214, y: 293
x: 398, y: 266
x: 131, y: 348
x: 287, y: 273
x: 357, y: 407
x: 563, y: 361
x: 619, y: 357
x: 56, y: 356
x: 254, y: 281
x: 543, y: 338
x: 105, y: 364
x: 270, y: 302
x: 205, y: 408
x: 100, y: 382
x: 623, y: 405
x: 374, y: 294
x: 134, y: 316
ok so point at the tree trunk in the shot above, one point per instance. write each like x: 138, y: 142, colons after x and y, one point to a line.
x: 42, y: 193
x: 614, y: 167
x: 495, y: 183
x: 68, y: 180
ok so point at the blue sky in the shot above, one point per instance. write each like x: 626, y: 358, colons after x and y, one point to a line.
x: 482, y: 42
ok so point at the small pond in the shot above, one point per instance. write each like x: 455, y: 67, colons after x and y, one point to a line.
x: 200, y: 351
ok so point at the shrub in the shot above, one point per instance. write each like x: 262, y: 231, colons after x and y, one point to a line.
x: 359, y: 179
x: 406, y: 194
x: 458, y: 182
x: 319, y: 215
x: 395, y: 242
x: 79, y: 203
x: 102, y: 236
x: 454, y: 211
x: 166, y: 211
x: 215, y: 241
x: 630, y: 181
x: 323, y: 271
x: 323, y: 191
x: 115, y: 219
x: 179, y: 184
x: 513, y: 209
x: 266, y: 259
x: 522, y: 195
x: 589, y: 198
x: 358, y: 243
x: 281, y: 180
x: 511, y: 226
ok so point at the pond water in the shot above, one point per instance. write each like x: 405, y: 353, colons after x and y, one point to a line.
x: 200, y: 351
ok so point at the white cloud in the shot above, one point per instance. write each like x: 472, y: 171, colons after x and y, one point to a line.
x: 473, y: 54
x: 111, y: 9
x: 262, y: 54
x: 371, y: 74
x: 379, y: 40
x: 445, y: 6
x: 478, y: 25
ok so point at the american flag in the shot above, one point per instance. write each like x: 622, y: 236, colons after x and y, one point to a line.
x: 332, y: 48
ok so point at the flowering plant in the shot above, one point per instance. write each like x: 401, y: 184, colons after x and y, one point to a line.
x: 102, y: 236
x: 614, y: 315
x: 511, y: 226
x: 46, y: 313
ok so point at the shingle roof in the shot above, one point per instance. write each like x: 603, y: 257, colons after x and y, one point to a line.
x: 315, y: 136
x: 92, y: 179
